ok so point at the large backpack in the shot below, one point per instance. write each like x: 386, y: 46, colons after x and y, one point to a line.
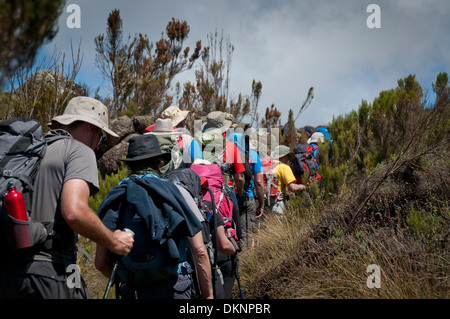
x: 22, y: 148
x: 213, y: 174
x: 270, y: 181
x: 190, y: 181
x: 172, y: 143
x: 213, y: 146
x: 149, y: 206
x: 305, y: 164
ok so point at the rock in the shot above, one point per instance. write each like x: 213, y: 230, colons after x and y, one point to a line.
x: 122, y: 126
x: 126, y: 128
x: 108, y: 163
x: 141, y: 123
x: 51, y: 77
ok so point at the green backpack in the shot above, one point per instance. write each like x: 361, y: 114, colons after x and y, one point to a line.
x: 213, y: 147
x: 174, y: 144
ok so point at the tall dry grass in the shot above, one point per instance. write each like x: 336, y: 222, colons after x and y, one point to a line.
x: 317, y: 249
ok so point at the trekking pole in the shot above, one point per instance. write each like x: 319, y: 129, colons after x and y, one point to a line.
x: 239, y: 285
x: 238, y: 279
x: 246, y: 154
x: 114, y: 270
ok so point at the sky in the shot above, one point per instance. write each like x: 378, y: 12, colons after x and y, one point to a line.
x: 287, y: 45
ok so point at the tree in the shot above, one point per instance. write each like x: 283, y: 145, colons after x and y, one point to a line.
x: 291, y: 132
x: 256, y: 95
x: 111, y: 60
x: 211, y: 91
x: 24, y: 27
x: 305, y: 103
x: 42, y: 90
x: 141, y: 72
x: 441, y: 87
x: 271, y: 117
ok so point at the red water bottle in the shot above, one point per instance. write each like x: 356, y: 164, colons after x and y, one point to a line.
x: 15, y: 207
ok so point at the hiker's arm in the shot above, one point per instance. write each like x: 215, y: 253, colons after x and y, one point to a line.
x: 83, y: 220
x: 225, y: 246
x: 293, y: 187
x: 101, y: 261
x: 202, y: 265
x: 239, y: 181
x: 259, y: 189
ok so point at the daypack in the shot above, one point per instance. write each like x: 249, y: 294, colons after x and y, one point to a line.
x: 22, y: 148
x: 213, y: 174
x: 172, y: 143
x: 197, y: 187
x: 190, y: 181
x: 153, y: 208
x: 213, y: 147
x: 304, y: 164
x: 270, y: 181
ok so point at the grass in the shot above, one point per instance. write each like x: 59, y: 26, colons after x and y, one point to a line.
x: 311, y: 253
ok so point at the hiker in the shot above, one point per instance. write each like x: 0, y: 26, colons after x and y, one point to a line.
x: 178, y: 118
x: 67, y: 177
x: 183, y: 147
x: 286, y: 179
x: 314, y: 140
x: 215, y: 239
x: 251, y: 207
x: 227, y: 206
x: 218, y: 150
x: 160, y: 204
x: 309, y: 131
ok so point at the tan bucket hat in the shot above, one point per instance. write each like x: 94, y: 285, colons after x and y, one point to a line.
x: 86, y: 109
x: 164, y: 127
x: 175, y: 114
x: 217, y: 120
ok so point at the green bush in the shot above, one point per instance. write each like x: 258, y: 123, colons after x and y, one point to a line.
x: 106, y: 184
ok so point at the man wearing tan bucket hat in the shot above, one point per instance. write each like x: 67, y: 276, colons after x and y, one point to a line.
x: 177, y: 116
x: 285, y: 177
x: 67, y: 177
x: 185, y: 149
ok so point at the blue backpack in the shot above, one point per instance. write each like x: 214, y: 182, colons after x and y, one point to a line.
x: 151, y: 208
x: 325, y: 132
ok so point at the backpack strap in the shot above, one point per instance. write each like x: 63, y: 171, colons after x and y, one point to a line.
x: 24, y: 178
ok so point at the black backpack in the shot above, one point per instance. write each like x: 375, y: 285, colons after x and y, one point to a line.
x: 304, y: 164
x: 22, y: 148
x: 148, y: 206
x: 190, y: 181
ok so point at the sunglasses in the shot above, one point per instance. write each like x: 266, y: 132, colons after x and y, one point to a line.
x: 102, y: 139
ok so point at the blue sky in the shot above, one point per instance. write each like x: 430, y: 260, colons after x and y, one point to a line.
x: 288, y: 45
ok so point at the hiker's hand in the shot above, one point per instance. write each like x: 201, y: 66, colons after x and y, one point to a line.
x: 123, y: 242
x: 259, y: 212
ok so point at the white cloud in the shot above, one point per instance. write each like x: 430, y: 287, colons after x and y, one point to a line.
x: 292, y: 45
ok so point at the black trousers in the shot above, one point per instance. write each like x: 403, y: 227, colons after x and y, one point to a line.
x: 39, y: 280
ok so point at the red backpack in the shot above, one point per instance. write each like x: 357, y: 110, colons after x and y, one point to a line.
x: 270, y: 181
x: 305, y: 164
x: 213, y: 174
